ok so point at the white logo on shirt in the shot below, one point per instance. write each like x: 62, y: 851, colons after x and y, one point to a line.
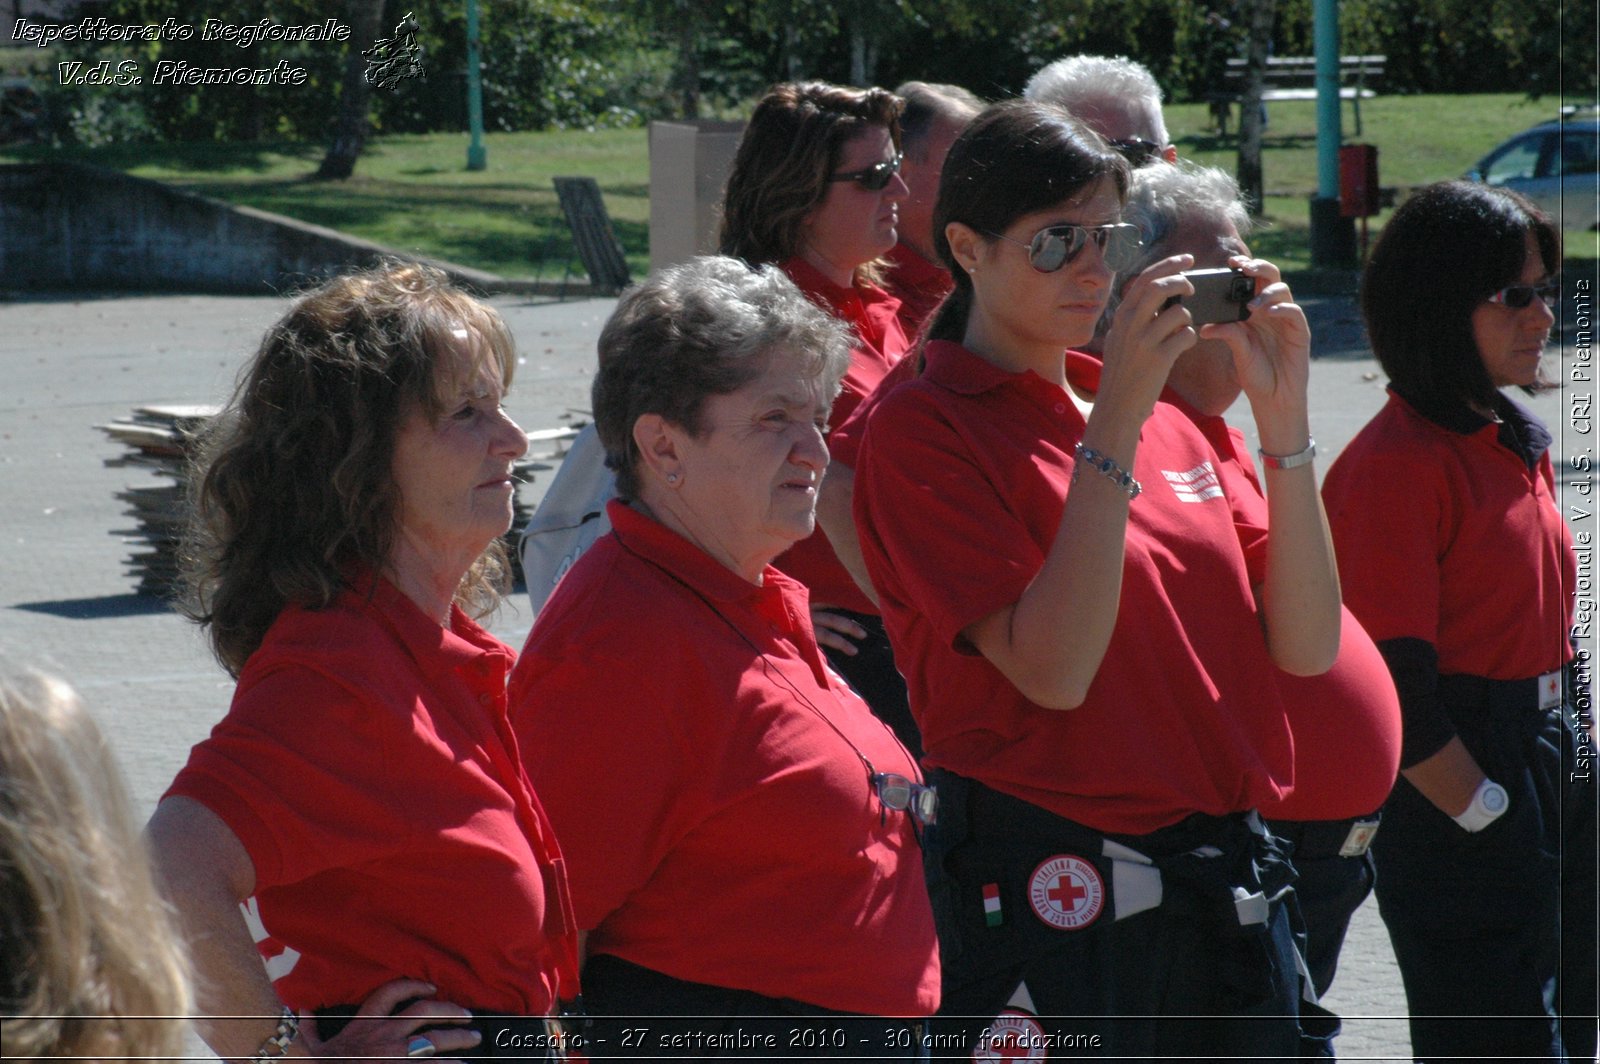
x: 1195, y: 485
x: 279, y: 959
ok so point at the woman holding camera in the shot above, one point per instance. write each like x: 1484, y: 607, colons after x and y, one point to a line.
x: 1455, y: 556
x: 1069, y: 596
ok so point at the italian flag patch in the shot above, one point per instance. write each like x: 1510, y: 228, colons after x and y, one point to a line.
x: 991, y: 904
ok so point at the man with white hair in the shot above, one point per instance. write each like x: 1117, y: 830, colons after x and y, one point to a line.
x: 1112, y: 95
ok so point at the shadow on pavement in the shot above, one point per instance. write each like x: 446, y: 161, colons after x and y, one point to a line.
x: 93, y: 609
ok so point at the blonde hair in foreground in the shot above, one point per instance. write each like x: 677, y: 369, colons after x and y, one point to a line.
x: 87, y: 950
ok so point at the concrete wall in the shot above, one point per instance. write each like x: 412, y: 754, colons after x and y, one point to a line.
x: 71, y: 226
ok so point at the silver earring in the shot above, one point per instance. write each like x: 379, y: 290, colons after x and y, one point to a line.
x: 672, y: 478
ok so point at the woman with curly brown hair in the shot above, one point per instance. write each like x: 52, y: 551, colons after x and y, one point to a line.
x: 815, y: 190
x: 363, y: 792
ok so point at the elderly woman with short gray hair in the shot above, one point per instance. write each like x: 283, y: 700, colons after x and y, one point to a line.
x: 741, y: 834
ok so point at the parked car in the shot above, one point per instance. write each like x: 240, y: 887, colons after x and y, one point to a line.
x: 1555, y: 164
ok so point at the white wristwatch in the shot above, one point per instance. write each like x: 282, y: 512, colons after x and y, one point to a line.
x: 1489, y: 801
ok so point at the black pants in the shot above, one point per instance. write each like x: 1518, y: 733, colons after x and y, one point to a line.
x: 1186, y: 977
x: 637, y: 1013
x: 872, y: 674
x: 1494, y: 931
x: 1328, y: 888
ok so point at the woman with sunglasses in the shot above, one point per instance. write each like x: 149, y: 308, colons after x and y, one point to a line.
x: 1456, y: 559
x: 741, y: 834
x: 815, y: 190
x: 1070, y: 598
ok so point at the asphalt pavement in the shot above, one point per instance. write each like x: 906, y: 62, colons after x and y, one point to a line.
x: 68, y: 364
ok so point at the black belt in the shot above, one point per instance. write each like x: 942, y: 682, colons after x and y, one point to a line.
x: 1314, y: 840
x: 641, y: 1012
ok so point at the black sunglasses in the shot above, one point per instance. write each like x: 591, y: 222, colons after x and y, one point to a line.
x: 1518, y: 296
x: 1136, y: 151
x: 874, y: 178
x: 1054, y: 247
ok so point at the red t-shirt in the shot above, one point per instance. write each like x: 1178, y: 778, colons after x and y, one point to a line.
x: 1449, y: 537
x: 844, y: 444
x: 369, y: 769
x: 920, y: 286
x: 959, y: 491
x: 1346, y: 722
x: 700, y: 763
x: 881, y: 343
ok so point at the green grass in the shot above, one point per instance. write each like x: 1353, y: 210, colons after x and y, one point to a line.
x: 1420, y: 139
x: 414, y: 193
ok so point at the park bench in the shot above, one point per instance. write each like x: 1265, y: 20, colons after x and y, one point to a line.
x: 593, y: 236
x: 1295, y: 78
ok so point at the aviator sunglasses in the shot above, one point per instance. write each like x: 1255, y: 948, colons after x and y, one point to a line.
x: 1518, y: 296
x: 874, y: 178
x: 1053, y: 247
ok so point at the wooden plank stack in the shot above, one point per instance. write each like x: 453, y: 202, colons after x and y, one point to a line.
x: 160, y: 440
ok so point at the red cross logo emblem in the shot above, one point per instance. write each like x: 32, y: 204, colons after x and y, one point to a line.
x: 1012, y: 1036
x: 1066, y: 892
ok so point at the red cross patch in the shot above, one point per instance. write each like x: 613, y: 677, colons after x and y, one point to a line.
x: 1012, y: 1036
x: 1066, y: 892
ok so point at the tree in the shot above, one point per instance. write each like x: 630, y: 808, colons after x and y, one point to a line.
x: 355, y: 98
x: 1251, y: 184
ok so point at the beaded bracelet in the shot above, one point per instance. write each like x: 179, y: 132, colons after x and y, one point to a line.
x: 1106, y: 467
x: 277, y: 1046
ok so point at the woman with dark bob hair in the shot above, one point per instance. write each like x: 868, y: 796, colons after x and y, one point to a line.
x: 1456, y: 559
x: 741, y: 833
x: 364, y: 792
x: 1074, y: 603
x: 815, y: 190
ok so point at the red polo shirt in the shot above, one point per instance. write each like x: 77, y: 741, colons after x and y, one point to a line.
x: 368, y: 768
x: 1448, y: 536
x: 960, y: 486
x: 874, y: 314
x: 1346, y: 722
x: 920, y: 286
x: 844, y: 444
x: 707, y: 773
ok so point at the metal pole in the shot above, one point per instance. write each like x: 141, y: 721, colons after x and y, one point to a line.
x: 477, y: 154
x: 1332, y: 236
x: 1329, y: 118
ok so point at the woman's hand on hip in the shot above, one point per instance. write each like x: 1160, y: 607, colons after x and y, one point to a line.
x: 836, y: 631
x: 378, y: 1033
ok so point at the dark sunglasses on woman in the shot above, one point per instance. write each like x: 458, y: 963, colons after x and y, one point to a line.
x: 1518, y: 296
x: 874, y: 178
x: 1054, y: 247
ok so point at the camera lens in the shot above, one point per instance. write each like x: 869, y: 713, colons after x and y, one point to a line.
x: 1242, y: 289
